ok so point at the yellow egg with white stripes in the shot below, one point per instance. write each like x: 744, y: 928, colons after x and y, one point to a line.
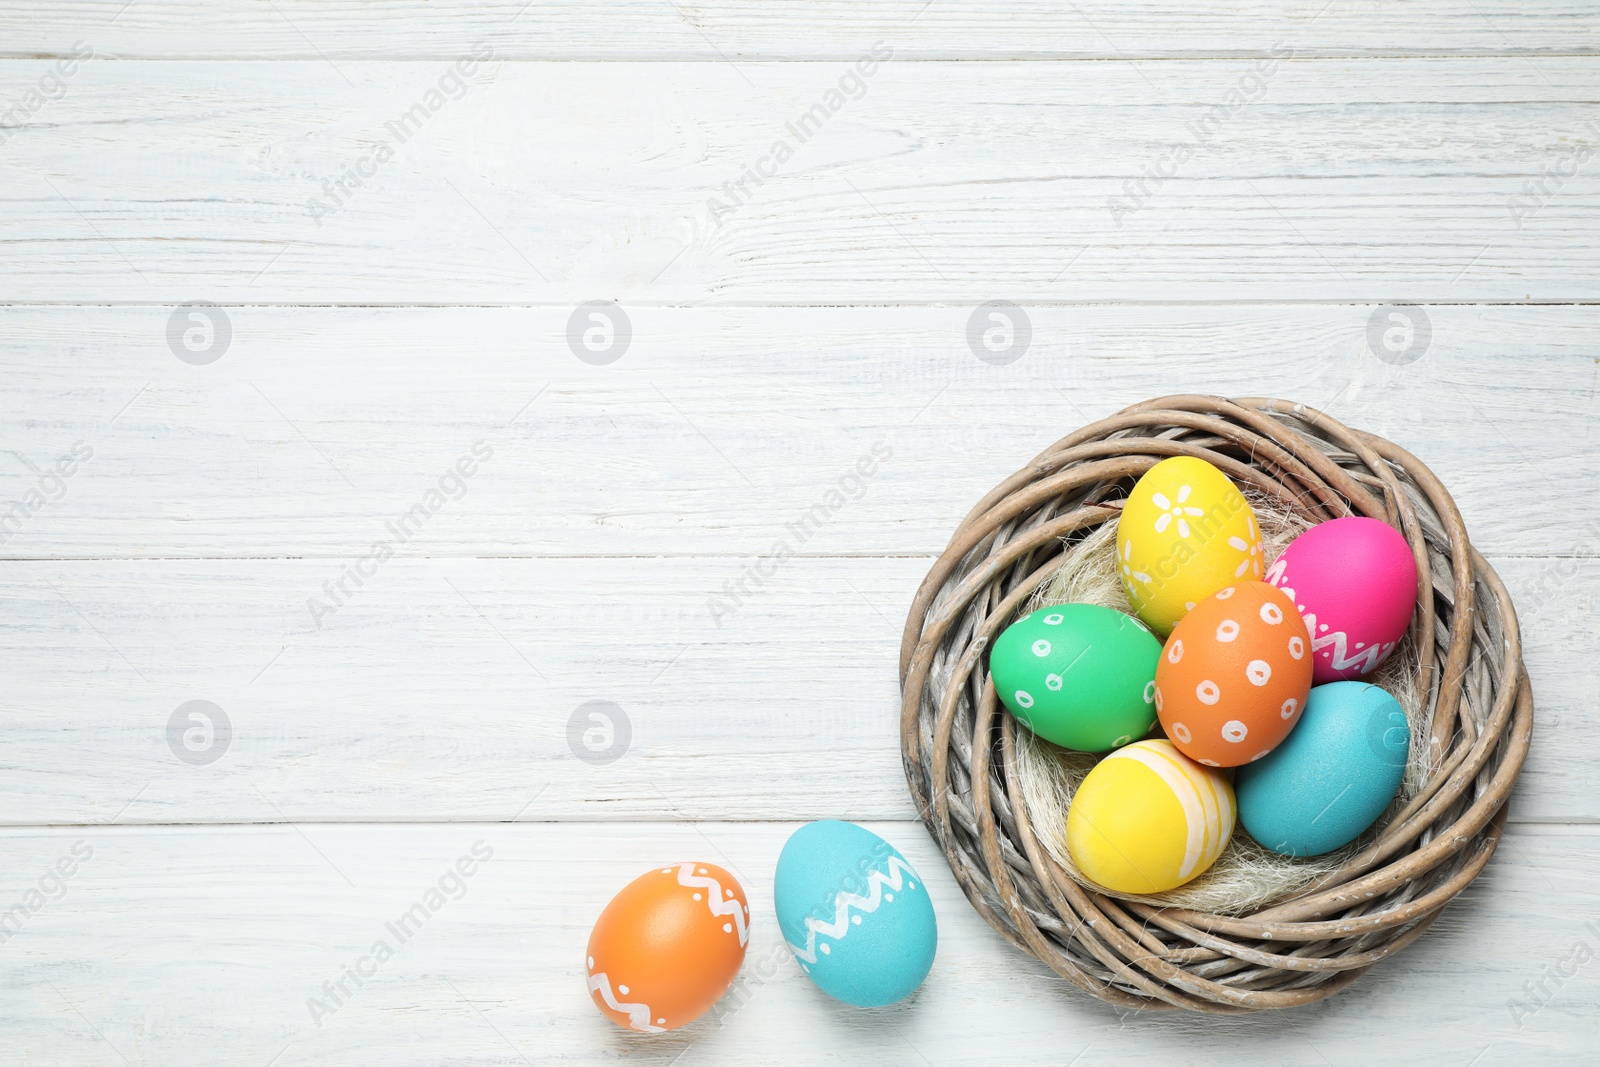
x: 1147, y: 819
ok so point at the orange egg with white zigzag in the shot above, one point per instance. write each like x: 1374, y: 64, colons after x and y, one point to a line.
x: 668, y: 946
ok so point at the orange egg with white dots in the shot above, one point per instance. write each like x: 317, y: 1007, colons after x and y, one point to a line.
x: 668, y: 946
x: 1234, y: 675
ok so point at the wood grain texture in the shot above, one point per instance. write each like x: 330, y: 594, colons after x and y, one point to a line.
x: 204, y: 946
x: 719, y: 428
x: 1388, y: 161
x: 741, y: 30
x: 1342, y: 180
x: 443, y: 690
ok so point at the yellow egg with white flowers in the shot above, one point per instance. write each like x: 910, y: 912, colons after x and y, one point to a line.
x: 1147, y: 819
x: 1185, y: 532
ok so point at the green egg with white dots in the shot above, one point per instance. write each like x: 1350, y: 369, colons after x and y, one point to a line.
x: 1078, y: 675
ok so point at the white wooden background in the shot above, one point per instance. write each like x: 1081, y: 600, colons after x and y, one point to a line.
x: 1388, y: 161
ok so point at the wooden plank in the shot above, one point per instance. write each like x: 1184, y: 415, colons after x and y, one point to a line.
x: 597, y: 554
x: 462, y: 690
x: 553, y: 183
x: 718, y: 428
x: 637, y: 29
x: 204, y: 946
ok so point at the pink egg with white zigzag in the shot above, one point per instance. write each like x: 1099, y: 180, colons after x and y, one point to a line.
x: 1355, y: 582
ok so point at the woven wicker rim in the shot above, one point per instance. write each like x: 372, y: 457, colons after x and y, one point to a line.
x: 1320, y: 939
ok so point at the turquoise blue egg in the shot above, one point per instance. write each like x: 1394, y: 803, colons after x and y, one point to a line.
x: 855, y: 914
x: 1334, y: 775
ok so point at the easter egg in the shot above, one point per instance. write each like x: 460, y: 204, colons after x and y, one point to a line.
x: 1079, y: 675
x: 1147, y: 819
x: 854, y: 913
x: 1332, y: 777
x: 1355, y: 581
x: 1233, y: 677
x: 1185, y: 532
x: 668, y: 946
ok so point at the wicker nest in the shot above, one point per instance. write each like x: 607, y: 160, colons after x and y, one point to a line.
x: 1316, y: 940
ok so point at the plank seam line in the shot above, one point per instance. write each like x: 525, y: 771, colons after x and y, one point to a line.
x: 26, y: 305
x: 1311, y: 54
x: 1580, y: 822
x: 1493, y: 557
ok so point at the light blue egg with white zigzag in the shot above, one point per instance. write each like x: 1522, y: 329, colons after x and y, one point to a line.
x: 855, y: 914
